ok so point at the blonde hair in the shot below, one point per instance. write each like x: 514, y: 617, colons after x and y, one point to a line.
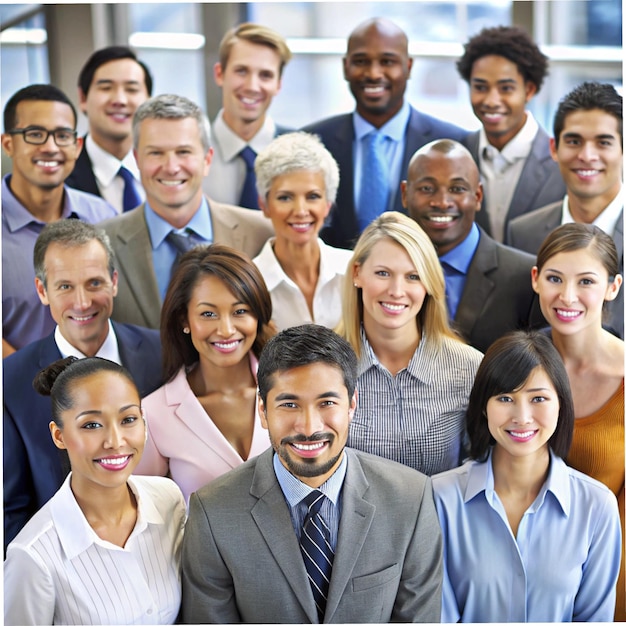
x: 397, y: 227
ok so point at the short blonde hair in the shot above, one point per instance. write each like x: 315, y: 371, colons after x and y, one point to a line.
x: 397, y: 227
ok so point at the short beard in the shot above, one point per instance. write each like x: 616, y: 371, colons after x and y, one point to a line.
x: 306, y: 468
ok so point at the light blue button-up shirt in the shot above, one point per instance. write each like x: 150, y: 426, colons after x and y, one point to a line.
x: 562, y: 566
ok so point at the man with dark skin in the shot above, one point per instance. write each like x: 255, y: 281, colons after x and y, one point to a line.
x: 377, y: 67
x: 488, y: 288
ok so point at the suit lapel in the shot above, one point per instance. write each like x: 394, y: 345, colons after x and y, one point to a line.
x: 225, y: 226
x: 618, y: 237
x: 48, y: 353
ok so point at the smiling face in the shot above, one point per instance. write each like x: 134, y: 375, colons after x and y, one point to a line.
x: 499, y: 96
x: 249, y: 82
x: 103, y: 431
x: 307, y: 413
x: 377, y: 67
x: 48, y: 165
x: 118, y: 88
x: 522, y: 421
x: 590, y: 155
x: 296, y: 203
x: 223, y: 329
x: 79, y: 292
x: 572, y: 288
x: 442, y: 194
x: 172, y: 164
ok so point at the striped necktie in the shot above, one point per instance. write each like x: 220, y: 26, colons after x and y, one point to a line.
x: 316, y: 551
x: 374, y: 193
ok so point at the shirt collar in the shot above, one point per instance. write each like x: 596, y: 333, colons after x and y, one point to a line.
x: 159, y: 229
x: 106, y: 166
x: 295, y: 490
x: 232, y: 144
x: 108, y: 350
x: 394, y: 128
x: 608, y: 218
x: 518, y: 147
x: 461, y: 256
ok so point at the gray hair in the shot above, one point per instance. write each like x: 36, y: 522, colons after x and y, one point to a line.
x: 171, y: 107
x: 294, y: 152
x: 69, y: 233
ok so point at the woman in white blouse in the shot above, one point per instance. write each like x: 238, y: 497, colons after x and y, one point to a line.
x: 415, y: 373
x: 106, y: 548
x: 297, y: 180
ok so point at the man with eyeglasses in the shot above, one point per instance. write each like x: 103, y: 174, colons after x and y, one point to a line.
x: 40, y: 139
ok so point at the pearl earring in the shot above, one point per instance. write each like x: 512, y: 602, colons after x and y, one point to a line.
x: 186, y: 330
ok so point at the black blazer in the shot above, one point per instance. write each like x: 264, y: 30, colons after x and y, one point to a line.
x: 82, y: 176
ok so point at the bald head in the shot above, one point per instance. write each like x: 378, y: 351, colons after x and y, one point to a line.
x: 378, y: 26
x: 443, y: 192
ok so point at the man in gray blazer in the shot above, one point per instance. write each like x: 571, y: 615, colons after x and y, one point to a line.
x: 587, y: 146
x: 172, y: 147
x: 253, y: 536
x: 504, y: 69
x: 488, y: 286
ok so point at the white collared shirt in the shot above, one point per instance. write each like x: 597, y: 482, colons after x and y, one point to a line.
x: 108, y: 350
x: 289, y: 307
x: 58, y: 571
x: 608, y: 218
x: 227, y: 173
x: 501, y: 172
x: 105, y: 168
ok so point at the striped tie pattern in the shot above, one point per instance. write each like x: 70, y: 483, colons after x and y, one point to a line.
x: 374, y: 180
x: 316, y: 551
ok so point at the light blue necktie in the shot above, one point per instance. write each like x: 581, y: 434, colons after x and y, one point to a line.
x: 249, y: 197
x: 374, y: 194
x: 131, y: 198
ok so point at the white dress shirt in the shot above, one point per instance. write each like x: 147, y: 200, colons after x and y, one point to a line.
x: 108, y: 350
x: 105, y: 168
x: 289, y: 307
x: 58, y: 571
x: 227, y: 173
x: 608, y: 218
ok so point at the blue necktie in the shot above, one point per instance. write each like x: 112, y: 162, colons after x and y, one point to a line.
x: 316, y: 551
x: 249, y: 196
x: 131, y: 198
x: 181, y: 243
x: 374, y: 194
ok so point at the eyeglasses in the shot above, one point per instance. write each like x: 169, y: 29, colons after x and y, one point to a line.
x: 38, y: 136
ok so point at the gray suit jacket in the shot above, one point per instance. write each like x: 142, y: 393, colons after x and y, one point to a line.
x: 498, y: 295
x: 540, y: 181
x: 527, y: 232
x: 242, y: 562
x: 138, y: 300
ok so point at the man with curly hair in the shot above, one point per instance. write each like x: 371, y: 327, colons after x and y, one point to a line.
x: 504, y: 69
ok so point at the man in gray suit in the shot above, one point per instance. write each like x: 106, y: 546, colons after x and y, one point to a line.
x: 488, y: 286
x: 504, y: 69
x: 171, y: 138
x: 254, y: 534
x: 587, y: 146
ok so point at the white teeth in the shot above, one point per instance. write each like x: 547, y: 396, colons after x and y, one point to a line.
x: 81, y: 319
x: 564, y: 313
x: 374, y: 90
x: 248, y: 100
x: 119, y: 461
x: 393, y: 307
x: 302, y: 227
x: 442, y: 219
x: 171, y: 183
x: 587, y: 173
x: 48, y: 163
x: 226, y: 345
x: 309, y: 446
x: 525, y: 434
x: 492, y: 115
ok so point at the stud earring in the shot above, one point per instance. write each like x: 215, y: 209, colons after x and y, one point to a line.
x: 186, y: 330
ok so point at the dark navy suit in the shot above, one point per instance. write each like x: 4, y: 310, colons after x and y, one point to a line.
x: 82, y: 176
x: 33, y: 467
x: 337, y: 134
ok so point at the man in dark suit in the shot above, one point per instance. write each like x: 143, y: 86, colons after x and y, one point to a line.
x: 505, y: 69
x: 310, y: 531
x: 111, y: 85
x: 173, y: 151
x: 249, y: 72
x: 488, y: 286
x: 377, y: 66
x: 587, y: 146
x: 75, y: 277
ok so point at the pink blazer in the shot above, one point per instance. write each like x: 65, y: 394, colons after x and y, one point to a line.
x: 184, y: 443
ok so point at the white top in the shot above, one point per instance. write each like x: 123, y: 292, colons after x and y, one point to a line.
x: 105, y: 168
x: 501, y: 170
x: 227, y: 173
x: 108, y: 350
x: 608, y: 218
x: 58, y: 571
x: 289, y: 307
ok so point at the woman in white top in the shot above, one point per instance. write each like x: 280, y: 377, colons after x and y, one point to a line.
x: 214, y: 323
x: 106, y: 548
x: 297, y: 180
x: 415, y: 373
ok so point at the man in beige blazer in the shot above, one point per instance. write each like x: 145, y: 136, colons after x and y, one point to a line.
x: 172, y: 147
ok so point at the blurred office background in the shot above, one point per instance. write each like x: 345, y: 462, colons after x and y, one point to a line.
x: 179, y: 42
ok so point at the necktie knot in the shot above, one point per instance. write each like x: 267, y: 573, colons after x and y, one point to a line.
x: 182, y: 242
x: 249, y: 156
x: 314, y: 502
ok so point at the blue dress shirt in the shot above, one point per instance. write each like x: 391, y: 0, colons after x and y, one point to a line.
x: 295, y: 490
x: 164, y: 253
x: 393, y: 148
x: 562, y: 566
x: 455, y: 265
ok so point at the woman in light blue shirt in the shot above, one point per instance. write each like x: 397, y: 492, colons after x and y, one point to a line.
x: 526, y: 538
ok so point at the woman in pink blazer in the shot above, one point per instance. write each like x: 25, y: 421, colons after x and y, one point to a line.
x: 215, y: 321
